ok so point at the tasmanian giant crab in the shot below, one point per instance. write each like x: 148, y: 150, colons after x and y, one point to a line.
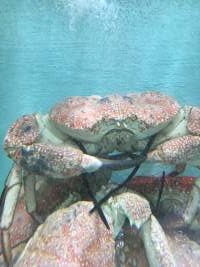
x: 80, y: 134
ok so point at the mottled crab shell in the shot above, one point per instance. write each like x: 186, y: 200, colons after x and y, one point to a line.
x: 70, y: 237
x: 193, y: 124
x: 90, y: 118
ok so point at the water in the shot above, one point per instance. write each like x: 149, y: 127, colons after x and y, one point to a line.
x: 52, y: 49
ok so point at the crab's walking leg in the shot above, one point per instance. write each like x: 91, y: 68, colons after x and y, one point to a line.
x: 30, y: 196
x: 8, y: 205
x: 194, y: 197
x: 137, y: 210
x: 181, y: 151
x: 193, y: 204
x: 156, y: 245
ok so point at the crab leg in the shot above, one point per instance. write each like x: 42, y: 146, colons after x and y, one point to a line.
x: 8, y: 205
x: 193, y: 203
x: 30, y: 196
x: 180, y: 151
x: 29, y: 192
x: 156, y: 245
x: 137, y: 210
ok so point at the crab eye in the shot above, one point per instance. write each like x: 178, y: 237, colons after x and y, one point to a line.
x: 26, y: 128
x: 24, y: 131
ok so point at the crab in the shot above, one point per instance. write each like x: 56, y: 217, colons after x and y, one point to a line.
x: 79, y: 136
x: 73, y: 238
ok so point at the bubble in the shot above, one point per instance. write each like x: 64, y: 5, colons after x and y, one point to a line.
x: 104, y: 11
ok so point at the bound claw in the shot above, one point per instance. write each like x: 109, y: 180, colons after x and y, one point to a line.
x: 91, y: 164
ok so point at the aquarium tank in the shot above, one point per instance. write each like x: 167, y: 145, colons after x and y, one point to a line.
x: 50, y: 50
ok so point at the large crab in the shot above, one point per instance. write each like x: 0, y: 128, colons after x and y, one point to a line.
x: 80, y: 133
x: 71, y: 237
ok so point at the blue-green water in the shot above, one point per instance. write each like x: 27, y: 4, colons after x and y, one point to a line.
x: 52, y: 49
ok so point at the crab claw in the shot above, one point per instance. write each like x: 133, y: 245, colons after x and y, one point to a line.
x: 181, y: 151
x: 91, y: 164
x: 38, y: 148
x: 136, y: 209
x: 185, y: 149
x: 63, y: 161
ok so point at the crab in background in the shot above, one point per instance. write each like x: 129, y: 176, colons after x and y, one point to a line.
x: 79, y: 136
